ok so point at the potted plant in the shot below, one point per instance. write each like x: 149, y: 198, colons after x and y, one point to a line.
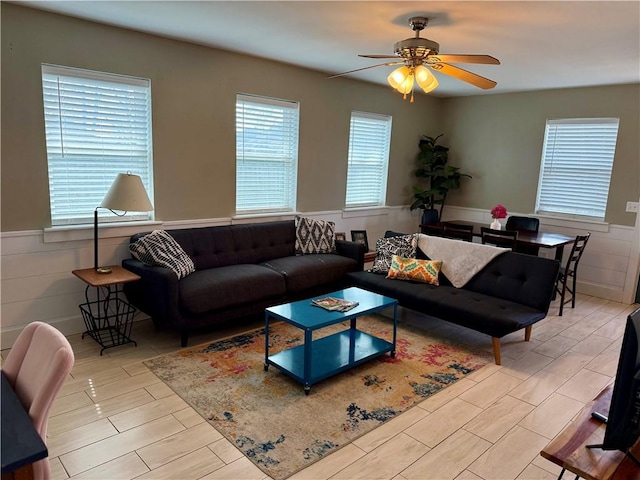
x: 441, y: 178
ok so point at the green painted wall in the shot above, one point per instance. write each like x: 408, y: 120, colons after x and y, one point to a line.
x: 496, y: 138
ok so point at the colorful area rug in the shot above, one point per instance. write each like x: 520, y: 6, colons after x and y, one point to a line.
x: 270, y: 419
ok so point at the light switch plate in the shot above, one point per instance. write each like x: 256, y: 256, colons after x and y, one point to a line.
x: 632, y: 207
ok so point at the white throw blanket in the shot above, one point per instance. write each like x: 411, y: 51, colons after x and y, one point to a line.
x: 460, y: 260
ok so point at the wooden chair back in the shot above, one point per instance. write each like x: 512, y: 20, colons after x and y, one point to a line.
x: 499, y: 238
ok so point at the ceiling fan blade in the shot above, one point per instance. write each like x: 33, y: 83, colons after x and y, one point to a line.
x: 379, y: 56
x: 366, y: 68
x: 484, y: 59
x: 463, y: 75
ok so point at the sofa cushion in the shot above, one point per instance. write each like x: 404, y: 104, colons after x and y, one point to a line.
x: 160, y: 249
x: 518, y: 277
x: 404, y: 246
x: 224, y: 287
x: 211, y: 247
x: 425, y: 271
x: 314, y: 236
x: 303, y: 272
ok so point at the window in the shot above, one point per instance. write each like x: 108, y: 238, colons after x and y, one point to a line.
x: 368, y: 161
x: 266, y: 154
x: 577, y: 159
x: 97, y: 125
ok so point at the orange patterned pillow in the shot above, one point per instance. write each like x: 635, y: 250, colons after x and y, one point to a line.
x: 425, y: 271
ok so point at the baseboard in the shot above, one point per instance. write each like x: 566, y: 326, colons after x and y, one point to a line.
x: 68, y: 326
x: 600, y: 291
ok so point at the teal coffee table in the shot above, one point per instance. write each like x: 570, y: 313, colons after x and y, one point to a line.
x: 318, y: 359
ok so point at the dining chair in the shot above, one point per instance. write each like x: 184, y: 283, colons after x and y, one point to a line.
x: 458, y: 231
x: 436, y: 230
x: 499, y: 238
x: 570, y: 271
x: 524, y: 224
x: 36, y: 367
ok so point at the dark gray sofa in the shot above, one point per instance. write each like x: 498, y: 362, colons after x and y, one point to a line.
x: 240, y: 270
x: 511, y: 293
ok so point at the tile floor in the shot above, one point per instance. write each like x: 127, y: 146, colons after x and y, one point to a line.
x: 115, y: 420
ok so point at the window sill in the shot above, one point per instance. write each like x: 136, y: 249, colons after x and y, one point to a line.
x: 557, y: 221
x: 70, y: 233
x: 364, y: 212
x: 274, y: 216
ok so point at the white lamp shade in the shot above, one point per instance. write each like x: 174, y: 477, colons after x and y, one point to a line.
x: 401, y: 79
x: 425, y: 79
x: 127, y: 194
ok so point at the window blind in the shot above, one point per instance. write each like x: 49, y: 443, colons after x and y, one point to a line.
x: 368, y: 159
x: 97, y: 125
x: 577, y: 159
x: 266, y: 154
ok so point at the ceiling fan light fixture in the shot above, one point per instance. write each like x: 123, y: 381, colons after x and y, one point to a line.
x: 425, y: 79
x: 401, y: 79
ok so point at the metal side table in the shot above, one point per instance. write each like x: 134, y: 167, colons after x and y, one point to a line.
x: 109, y: 317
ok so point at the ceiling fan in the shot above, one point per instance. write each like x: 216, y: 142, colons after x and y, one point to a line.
x: 416, y: 54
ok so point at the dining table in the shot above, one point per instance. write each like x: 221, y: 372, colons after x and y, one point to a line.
x: 21, y: 443
x: 550, y: 240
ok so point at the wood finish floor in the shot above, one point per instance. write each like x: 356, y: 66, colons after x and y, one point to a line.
x: 115, y: 420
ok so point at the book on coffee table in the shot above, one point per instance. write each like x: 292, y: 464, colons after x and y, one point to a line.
x: 334, y: 304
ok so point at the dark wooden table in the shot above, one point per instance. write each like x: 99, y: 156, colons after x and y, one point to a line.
x: 569, y: 450
x: 21, y: 443
x: 535, y: 239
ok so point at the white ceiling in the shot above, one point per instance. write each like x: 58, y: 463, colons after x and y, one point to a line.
x: 541, y: 44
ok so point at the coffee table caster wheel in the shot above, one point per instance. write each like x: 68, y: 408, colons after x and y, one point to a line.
x: 266, y: 367
x: 307, y: 390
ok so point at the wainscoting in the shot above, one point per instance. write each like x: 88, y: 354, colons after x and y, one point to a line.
x: 36, y: 281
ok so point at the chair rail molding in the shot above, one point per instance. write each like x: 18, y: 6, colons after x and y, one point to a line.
x: 36, y: 282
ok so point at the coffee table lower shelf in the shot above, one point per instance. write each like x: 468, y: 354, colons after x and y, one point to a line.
x: 329, y: 356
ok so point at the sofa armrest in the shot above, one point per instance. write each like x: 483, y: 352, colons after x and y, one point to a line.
x: 156, y: 293
x: 352, y: 250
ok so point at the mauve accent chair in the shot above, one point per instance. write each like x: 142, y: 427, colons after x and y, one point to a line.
x: 524, y: 224
x: 37, y: 366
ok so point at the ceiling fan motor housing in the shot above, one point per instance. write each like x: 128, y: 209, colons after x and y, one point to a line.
x: 416, y: 48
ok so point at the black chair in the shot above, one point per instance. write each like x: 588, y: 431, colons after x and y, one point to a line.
x: 458, y: 231
x: 570, y: 270
x: 499, y: 238
x: 524, y: 224
x: 435, y: 230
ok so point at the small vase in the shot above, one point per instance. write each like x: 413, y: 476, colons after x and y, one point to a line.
x: 495, y: 225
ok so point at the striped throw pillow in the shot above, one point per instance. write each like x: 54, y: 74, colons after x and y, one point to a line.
x: 160, y: 249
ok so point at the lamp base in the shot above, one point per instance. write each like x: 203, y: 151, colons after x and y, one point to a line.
x: 103, y: 270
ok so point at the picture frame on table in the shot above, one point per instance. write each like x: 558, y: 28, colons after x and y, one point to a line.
x: 360, y: 236
x: 341, y: 236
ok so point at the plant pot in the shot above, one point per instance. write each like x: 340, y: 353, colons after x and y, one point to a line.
x: 429, y: 217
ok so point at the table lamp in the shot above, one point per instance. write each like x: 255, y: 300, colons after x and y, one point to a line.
x: 126, y: 194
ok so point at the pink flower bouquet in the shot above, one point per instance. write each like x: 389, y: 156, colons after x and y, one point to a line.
x: 498, y: 212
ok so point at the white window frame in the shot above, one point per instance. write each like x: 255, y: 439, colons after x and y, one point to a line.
x: 575, y: 169
x: 368, y: 160
x: 267, y: 160
x: 96, y: 125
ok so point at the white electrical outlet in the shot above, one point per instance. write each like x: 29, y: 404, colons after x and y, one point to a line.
x: 632, y: 207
